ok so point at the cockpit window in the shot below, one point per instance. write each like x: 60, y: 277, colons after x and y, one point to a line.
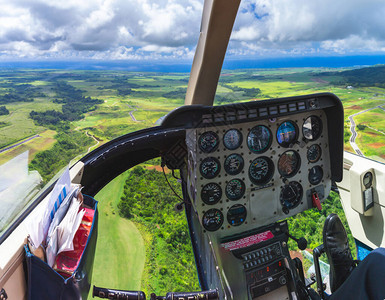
x: 49, y: 119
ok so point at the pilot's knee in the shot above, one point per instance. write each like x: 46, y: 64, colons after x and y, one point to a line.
x: 379, y: 252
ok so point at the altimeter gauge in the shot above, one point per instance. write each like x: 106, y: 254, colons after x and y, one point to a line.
x: 259, y: 139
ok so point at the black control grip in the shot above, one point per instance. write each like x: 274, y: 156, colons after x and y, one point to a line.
x: 203, y: 295
x: 118, y: 294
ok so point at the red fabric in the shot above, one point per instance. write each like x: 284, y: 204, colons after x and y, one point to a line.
x: 66, y: 262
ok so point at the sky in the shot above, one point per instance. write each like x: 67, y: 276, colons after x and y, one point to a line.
x: 169, y: 29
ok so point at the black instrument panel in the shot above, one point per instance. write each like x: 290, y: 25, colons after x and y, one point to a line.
x: 254, y: 173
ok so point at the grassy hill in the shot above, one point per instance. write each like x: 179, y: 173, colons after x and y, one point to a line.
x: 120, y: 250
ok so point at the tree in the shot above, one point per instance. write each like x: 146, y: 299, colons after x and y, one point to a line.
x: 3, y: 111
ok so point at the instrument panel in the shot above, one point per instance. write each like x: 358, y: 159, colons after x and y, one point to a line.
x: 251, y: 174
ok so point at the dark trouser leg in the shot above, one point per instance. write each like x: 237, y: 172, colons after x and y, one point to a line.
x: 367, y: 281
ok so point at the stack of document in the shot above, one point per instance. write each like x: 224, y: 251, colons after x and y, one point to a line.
x: 54, y: 225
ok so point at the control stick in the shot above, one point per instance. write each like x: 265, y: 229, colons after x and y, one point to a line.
x: 301, y: 242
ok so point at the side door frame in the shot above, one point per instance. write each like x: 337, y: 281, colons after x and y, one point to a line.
x: 364, y: 201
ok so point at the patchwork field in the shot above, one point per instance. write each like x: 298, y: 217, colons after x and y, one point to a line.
x: 59, y: 115
x: 129, y: 101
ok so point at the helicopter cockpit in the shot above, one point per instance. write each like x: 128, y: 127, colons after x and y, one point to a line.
x: 250, y: 165
x: 245, y: 168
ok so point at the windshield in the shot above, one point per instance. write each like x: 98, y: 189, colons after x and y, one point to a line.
x: 53, y: 118
x: 76, y: 75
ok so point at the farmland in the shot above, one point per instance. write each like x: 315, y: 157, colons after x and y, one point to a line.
x: 122, y: 102
x: 59, y: 115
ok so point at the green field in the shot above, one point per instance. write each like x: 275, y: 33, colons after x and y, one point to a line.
x: 120, y: 251
x: 150, y: 96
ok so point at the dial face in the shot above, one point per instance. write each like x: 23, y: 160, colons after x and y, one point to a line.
x: 233, y: 164
x: 315, y: 175
x: 210, y: 167
x: 208, y: 141
x: 232, y: 139
x: 235, y: 189
x: 259, y: 139
x: 291, y: 195
x: 314, y: 153
x: 287, y: 134
x: 312, y: 128
x: 261, y: 170
x: 211, y: 193
x: 212, y: 219
x: 236, y: 215
x: 289, y: 163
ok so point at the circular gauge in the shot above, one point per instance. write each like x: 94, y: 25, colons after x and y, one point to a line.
x: 208, y: 141
x: 287, y: 134
x: 211, y: 193
x: 314, y: 153
x: 232, y: 139
x: 261, y: 170
x: 367, y: 180
x: 233, y: 164
x: 259, y: 139
x: 289, y: 163
x: 312, y: 128
x: 291, y: 195
x: 315, y: 175
x: 235, y: 189
x: 212, y: 219
x: 236, y: 215
x: 210, y: 167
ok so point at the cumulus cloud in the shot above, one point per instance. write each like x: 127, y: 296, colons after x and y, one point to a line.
x: 55, y: 28
x: 135, y: 29
x: 309, y: 27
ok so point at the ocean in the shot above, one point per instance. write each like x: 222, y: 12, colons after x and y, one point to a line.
x: 184, y: 66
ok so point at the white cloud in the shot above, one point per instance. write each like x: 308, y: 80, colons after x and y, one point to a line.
x: 91, y: 27
x: 134, y: 29
x: 306, y: 27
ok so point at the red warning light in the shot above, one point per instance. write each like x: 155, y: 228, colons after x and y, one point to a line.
x: 268, y: 269
x: 280, y: 264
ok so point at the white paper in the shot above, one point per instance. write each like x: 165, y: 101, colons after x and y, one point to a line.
x: 41, y: 218
x: 63, y: 234
x: 62, y: 210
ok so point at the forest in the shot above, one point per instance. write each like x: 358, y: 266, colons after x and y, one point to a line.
x: 19, y: 93
x: 309, y: 224
x: 69, y: 142
x: 10, y: 97
x: 68, y: 145
x: 363, y: 77
x: 149, y: 202
x: 73, y: 108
